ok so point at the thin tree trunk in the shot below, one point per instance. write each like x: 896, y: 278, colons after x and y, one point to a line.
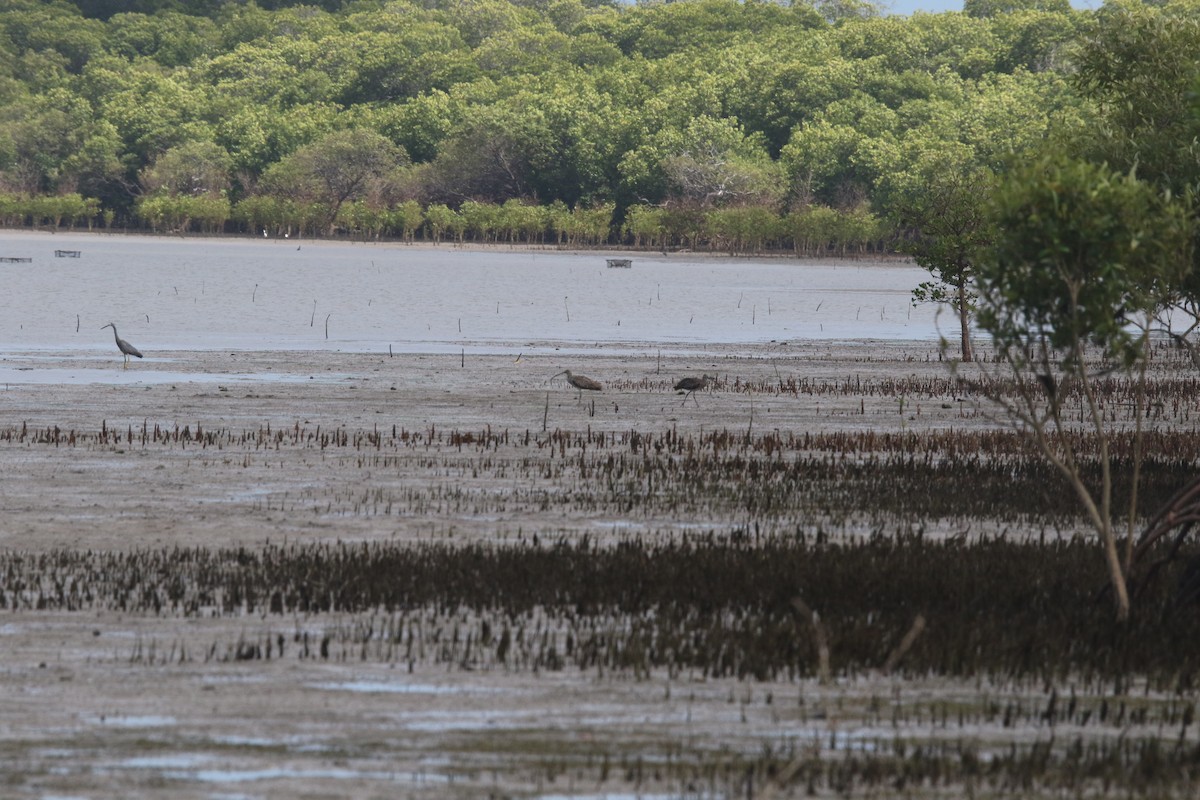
x: 964, y: 321
x: 1099, y: 514
x: 1116, y: 571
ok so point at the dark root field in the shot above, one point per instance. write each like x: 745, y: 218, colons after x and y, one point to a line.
x: 709, y: 606
x: 833, y: 573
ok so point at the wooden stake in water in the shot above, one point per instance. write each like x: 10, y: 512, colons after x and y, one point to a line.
x: 255, y: 292
x: 313, y: 318
x: 567, y: 309
x: 546, y: 413
x: 327, y: 316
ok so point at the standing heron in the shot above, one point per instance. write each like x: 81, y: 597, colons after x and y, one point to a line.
x: 125, y: 347
x: 580, y: 382
x: 689, y: 386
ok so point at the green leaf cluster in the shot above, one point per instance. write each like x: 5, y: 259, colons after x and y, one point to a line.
x: 1084, y: 251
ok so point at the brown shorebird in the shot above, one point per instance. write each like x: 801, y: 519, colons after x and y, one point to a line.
x: 689, y: 386
x: 580, y: 382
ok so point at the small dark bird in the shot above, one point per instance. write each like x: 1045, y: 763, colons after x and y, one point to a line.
x: 580, y: 382
x: 125, y: 347
x: 689, y: 386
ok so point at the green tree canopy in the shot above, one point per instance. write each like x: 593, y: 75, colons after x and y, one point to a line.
x: 1141, y: 66
x: 344, y: 165
x: 578, y: 101
x: 1080, y: 251
x: 191, y: 168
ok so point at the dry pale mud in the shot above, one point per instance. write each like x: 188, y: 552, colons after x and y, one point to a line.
x: 105, y: 704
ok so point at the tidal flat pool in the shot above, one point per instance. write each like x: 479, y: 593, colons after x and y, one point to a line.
x: 216, y: 294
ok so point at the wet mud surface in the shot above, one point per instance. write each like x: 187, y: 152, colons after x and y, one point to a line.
x: 212, y: 450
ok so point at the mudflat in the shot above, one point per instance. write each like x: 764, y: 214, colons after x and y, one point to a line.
x: 204, y: 451
x: 227, y: 482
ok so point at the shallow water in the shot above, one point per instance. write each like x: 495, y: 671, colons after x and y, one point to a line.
x: 11, y: 373
x: 250, y: 294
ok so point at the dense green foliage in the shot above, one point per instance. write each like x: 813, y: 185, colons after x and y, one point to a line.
x: 707, y: 123
x: 1082, y: 247
x: 1099, y: 232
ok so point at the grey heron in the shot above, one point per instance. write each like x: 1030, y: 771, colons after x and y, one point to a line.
x: 125, y: 347
x: 580, y: 382
x: 689, y: 386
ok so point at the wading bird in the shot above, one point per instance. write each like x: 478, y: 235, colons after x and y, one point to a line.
x: 125, y: 347
x: 580, y: 382
x: 689, y: 386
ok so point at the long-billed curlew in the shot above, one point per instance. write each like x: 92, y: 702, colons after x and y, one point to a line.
x: 689, y: 386
x: 580, y: 382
